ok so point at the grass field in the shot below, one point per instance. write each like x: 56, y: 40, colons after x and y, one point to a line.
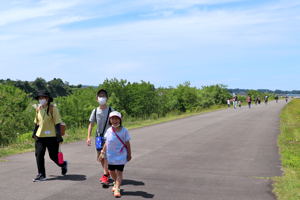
x: 287, y: 187
x: 25, y: 143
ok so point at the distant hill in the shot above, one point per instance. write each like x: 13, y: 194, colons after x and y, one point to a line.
x: 279, y: 92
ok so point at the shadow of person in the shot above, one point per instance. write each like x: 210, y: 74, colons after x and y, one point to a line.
x: 132, y: 182
x: 136, y: 193
x: 143, y: 194
x: 68, y: 177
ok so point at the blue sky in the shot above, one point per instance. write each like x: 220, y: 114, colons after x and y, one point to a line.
x: 239, y: 43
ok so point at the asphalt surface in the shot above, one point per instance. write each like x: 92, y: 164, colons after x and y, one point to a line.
x: 223, y: 155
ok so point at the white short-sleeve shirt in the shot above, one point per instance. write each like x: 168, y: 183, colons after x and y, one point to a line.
x: 115, y: 151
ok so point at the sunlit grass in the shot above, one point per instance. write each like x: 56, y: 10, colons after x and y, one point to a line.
x: 287, y: 187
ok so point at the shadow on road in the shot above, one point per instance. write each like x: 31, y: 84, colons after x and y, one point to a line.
x: 132, y: 182
x: 136, y: 193
x: 69, y: 177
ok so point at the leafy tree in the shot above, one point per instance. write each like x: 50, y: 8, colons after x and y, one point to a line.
x: 58, y: 88
x: 16, y: 116
x: 186, y: 96
x: 75, y: 109
x: 214, y: 95
x: 39, y: 84
x: 121, y: 97
x: 167, y: 101
x: 25, y: 86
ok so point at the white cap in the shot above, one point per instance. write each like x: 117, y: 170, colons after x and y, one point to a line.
x: 115, y: 113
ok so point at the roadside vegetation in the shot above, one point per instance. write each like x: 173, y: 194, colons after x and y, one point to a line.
x: 140, y: 103
x: 24, y: 142
x: 287, y: 187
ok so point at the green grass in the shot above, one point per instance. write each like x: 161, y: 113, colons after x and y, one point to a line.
x: 25, y: 143
x: 287, y: 187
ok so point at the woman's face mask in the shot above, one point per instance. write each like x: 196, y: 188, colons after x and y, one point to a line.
x: 42, y: 101
x: 102, y: 100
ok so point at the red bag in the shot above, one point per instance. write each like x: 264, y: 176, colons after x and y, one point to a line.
x: 60, y: 157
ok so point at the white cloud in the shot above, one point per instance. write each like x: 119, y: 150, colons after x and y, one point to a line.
x: 43, y: 9
x: 8, y: 37
x: 179, y: 4
x: 189, y: 39
x: 62, y: 21
x: 252, y: 27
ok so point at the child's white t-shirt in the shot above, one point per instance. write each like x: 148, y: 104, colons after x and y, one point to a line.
x: 115, y: 151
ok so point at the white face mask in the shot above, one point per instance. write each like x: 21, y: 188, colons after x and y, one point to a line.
x: 102, y: 100
x: 42, y: 102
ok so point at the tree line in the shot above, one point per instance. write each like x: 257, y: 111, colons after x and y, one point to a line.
x: 267, y: 91
x: 140, y: 100
x: 135, y: 100
x: 56, y: 86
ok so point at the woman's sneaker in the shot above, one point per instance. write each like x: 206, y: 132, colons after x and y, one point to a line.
x: 64, y: 168
x: 39, y: 177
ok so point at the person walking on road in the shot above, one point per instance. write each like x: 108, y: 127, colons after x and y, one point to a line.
x: 276, y: 98
x: 249, y: 101
x: 228, y: 103
x: 116, y: 150
x: 257, y: 100
x: 47, y: 134
x: 100, y: 116
x: 286, y: 99
x: 266, y: 99
x: 235, y: 101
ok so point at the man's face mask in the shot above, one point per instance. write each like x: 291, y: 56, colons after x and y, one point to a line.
x: 102, y: 100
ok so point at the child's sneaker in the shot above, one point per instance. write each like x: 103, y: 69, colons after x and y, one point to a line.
x: 117, y: 193
x: 114, y: 187
x: 104, y: 179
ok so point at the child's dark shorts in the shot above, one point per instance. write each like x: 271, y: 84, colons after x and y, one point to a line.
x: 116, y: 167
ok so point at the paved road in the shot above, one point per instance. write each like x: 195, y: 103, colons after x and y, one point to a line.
x: 223, y: 155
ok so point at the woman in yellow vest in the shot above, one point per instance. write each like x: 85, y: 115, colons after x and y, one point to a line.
x: 47, y: 134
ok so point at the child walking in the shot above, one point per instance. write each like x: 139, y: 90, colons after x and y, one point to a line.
x: 116, y: 150
x: 100, y: 116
